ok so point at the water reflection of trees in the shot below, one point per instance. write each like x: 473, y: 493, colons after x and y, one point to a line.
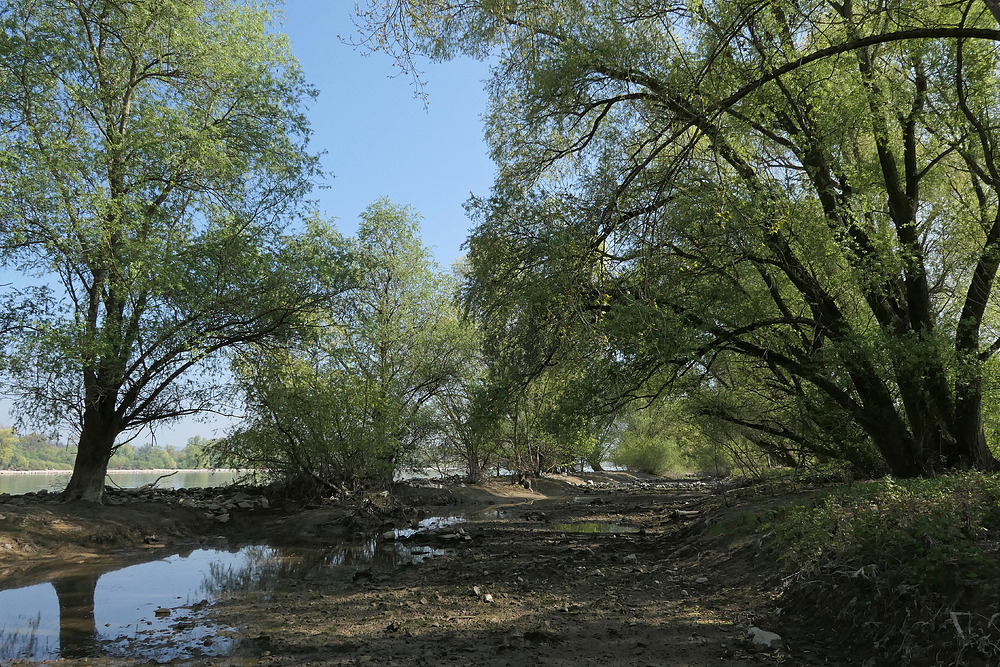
x: 252, y: 568
x: 77, y: 625
x: 263, y: 566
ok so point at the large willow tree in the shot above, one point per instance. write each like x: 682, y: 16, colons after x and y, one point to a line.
x: 788, y: 210
x: 151, y: 155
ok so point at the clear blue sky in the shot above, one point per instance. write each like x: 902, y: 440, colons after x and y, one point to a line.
x: 380, y: 140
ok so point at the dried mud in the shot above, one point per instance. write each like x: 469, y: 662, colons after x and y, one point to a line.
x: 523, y: 581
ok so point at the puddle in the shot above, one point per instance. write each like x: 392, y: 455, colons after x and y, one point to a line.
x: 159, y: 610
x: 591, y: 527
x: 136, y: 611
x: 438, y: 523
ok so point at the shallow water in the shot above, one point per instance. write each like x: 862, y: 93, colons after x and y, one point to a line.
x: 158, y: 610
x: 17, y: 483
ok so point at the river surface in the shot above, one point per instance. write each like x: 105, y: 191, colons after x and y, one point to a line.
x: 19, y: 482
x: 158, y: 610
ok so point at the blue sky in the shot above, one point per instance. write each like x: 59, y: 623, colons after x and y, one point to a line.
x: 380, y: 140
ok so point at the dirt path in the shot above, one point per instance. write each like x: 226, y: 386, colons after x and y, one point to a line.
x: 522, y: 581
x: 520, y: 586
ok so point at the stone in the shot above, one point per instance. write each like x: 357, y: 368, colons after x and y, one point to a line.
x: 764, y: 639
x: 631, y: 559
x: 487, y: 598
x: 222, y: 518
x: 701, y: 580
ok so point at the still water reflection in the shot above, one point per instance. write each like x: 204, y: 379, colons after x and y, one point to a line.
x: 159, y: 610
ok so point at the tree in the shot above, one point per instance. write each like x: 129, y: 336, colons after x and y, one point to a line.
x: 806, y: 190
x: 350, y: 403
x: 152, y: 154
x: 8, y: 445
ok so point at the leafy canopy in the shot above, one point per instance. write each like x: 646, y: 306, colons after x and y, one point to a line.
x: 791, y: 207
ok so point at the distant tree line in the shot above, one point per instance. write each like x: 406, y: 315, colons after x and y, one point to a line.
x: 36, y: 452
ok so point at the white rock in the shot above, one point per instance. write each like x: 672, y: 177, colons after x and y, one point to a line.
x: 764, y: 639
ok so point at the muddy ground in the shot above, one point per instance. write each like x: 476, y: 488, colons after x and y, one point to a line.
x: 522, y: 581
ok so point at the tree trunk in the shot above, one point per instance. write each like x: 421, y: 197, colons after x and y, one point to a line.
x: 97, y: 442
x: 472, y: 462
x: 971, y: 449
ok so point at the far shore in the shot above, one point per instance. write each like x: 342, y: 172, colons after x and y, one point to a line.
x: 127, y: 470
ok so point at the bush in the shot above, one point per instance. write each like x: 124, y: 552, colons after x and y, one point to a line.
x: 907, y: 567
x: 650, y: 444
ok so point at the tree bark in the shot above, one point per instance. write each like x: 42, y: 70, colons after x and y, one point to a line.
x: 96, y: 445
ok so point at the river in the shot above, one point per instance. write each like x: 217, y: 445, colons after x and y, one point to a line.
x: 24, y: 482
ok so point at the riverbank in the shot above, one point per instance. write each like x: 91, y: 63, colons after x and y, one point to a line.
x: 603, y: 569
x: 575, y: 570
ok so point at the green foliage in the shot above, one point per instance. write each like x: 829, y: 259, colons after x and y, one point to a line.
x: 35, y: 452
x: 352, y: 402
x: 149, y: 188
x: 651, y: 443
x: 891, y: 555
x: 8, y: 442
x: 787, y: 210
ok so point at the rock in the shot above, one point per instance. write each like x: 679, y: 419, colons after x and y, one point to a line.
x: 244, y: 505
x: 222, y: 518
x: 701, y: 580
x: 487, y: 598
x: 265, y: 503
x: 631, y: 559
x: 389, y: 535
x: 477, y: 591
x: 162, y: 611
x: 764, y: 639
